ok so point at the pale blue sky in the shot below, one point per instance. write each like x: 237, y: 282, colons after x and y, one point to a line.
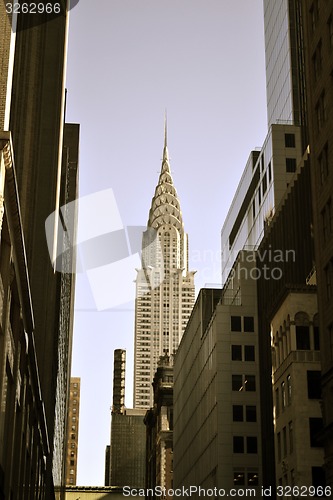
x: 128, y: 60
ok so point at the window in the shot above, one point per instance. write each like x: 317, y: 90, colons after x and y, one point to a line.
x: 237, y: 413
x: 239, y: 478
x: 302, y: 338
x: 323, y: 164
x: 317, y: 61
x: 72, y: 462
x: 277, y: 402
x: 248, y: 324
x: 254, y: 208
x: 238, y: 444
x: 289, y: 140
x: 236, y: 352
x: 269, y: 170
x: 237, y: 382
x: 251, y: 444
x: 290, y: 165
x: 328, y: 280
x: 250, y: 382
x: 289, y: 389
x: 252, y: 479
x: 283, y: 395
x: 330, y: 30
x: 249, y: 353
x: 316, y: 338
x: 279, y: 446
x: 259, y: 196
x: 318, y: 477
x: 315, y: 425
x: 236, y: 324
x: 314, y: 384
x: 291, y: 437
x: 320, y: 110
x: 251, y: 413
x: 284, y: 434
x: 264, y: 184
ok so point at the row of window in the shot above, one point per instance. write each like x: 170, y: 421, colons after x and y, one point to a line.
x: 245, y: 444
x: 286, y: 393
x: 247, y: 411
x: 246, y: 479
x: 242, y: 324
x: 242, y: 353
x: 282, y: 441
x: 243, y: 383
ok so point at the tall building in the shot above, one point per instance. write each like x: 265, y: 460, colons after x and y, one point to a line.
x: 159, y: 425
x: 40, y: 169
x: 318, y: 28
x: 125, y: 457
x: 217, y: 441
x: 73, y: 421
x: 296, y: 389
x: 164, y: 286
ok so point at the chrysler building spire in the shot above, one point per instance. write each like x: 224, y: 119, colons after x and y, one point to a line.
x: 164, y: 286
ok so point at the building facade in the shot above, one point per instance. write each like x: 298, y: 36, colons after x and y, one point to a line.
x: 217, y: 441
x: 296, y: 366
x: 125, y: 458
x: 41, y: 169
x: 164, y: 286
x: 73, y: 421
x: 159, y: 425
x: 318, y: 34
x: 266, y: 178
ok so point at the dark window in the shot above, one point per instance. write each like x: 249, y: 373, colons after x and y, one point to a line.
x: 318, y: 477
x: 316, y: 425
x: 314, y: 389
x: 249, y: 353
x: 237, y: 413
x: 248, y: 324
x: 236, y: 352
x: 289, y: 140
x: 289, y: 389
x: 254, y: 208
x: 239, y: 478
x: 252, y: 479
x: 72, y: 462
x: 291, y: 437
x: 277, y: 402
x: 283, y: 395
x: 251, y: 444
x: 279, y: 446
x: 316, y: 339
x: 251, y: 413
x: 284, y: 434
x: 302, y: 338
x: 259, y: 196
x: 236, y: 324
x: 290, y: 165
x: 264, y: 184
x: 238, y: 444
x: 237, y: 382
x: 269, y: 170
x: 250, y: 382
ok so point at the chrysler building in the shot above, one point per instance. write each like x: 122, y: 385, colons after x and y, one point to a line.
x: 164, y: 287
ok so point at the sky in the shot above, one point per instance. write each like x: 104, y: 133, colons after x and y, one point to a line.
x: 128, y: 61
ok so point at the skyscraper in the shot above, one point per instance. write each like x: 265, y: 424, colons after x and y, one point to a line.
x: 164, y: 286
